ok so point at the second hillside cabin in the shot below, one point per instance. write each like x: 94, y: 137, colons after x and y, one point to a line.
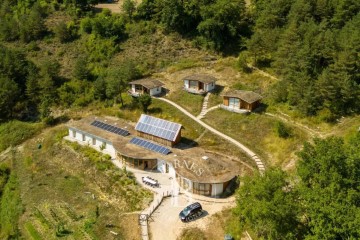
x: 145, y: 86
x: 158, y: 130
x: 199, y: 83
x: 241, y: 101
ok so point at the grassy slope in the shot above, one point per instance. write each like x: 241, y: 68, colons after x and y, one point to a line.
x: 64, y: 193
x: 257, y: 132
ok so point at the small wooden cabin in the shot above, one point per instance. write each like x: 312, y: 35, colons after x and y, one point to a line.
x: 199, y: 83
x: 145, y: 86
x: 158, y: 130
x: 238, y: 100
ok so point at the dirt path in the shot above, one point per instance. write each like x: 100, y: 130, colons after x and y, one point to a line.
x: 250, y: 153
x: 311, y: 132
x: 262, y: 72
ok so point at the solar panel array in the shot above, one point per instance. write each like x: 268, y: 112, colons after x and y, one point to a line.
x: 110, y: 128
x: 149, y: 145
x: 158, y: 127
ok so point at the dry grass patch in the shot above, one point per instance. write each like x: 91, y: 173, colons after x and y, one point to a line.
x: 256, y: 131
x: 65, y: 194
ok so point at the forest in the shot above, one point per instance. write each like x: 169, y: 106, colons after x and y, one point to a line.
x: 319, y: 201
x: 312, y: 46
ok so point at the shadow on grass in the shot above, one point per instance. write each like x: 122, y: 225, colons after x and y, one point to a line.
x: 261, y: 109
x: 217, y: 90
x: 154, y: 110
x: 186, y: 143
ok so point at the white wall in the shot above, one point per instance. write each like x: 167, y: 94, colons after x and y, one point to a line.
x: 132, y: 87
x: 88, y: 139
x: 217, y: 189
x: 209, y: 87
x: 155, y: 91
x: 161, y: 166
x: 186, y: 83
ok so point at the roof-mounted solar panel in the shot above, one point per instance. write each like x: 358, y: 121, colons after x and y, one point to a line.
x: 110, y: 128
x: 150, y: 146
x: 158, y: 127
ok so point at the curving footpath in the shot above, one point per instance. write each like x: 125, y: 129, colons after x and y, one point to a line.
x: 250, y: 153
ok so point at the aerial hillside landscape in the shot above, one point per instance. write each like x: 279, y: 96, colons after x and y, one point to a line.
x: 183, y: 120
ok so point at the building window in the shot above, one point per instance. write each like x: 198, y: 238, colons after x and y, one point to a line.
x: 104, y: 145
x: 138, y: 88
x: 193, y: 84
x: 74, y: 133
x: 83, y: 137
x: 202, y: 188
x: 234, y: 103
x: 94, y: 141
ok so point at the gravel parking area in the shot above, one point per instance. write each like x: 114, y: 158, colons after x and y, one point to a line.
x: 165, y: 222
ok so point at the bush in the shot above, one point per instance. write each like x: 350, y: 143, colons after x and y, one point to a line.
x: 10, y: 210
x: 15, y: 132
x: 66, y: 32
x: 282, y: 130
x: 192, y: 234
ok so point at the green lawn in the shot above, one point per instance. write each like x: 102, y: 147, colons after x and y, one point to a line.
x: 256, y: 131
x: 191, y: 102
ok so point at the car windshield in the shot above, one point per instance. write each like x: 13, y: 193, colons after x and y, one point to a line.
x: 186, y: 211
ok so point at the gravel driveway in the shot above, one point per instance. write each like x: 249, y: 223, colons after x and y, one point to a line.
x: 165, y: 223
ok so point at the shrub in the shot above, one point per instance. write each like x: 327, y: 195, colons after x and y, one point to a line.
x: 15, y: 132
x: 282, y: 130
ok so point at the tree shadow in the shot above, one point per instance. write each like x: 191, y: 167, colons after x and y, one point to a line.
x: 154, y: 110
x: 261, y: 108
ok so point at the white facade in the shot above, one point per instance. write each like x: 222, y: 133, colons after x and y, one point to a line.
x: 98, y: 143
x: 155, y: 91
x: 217, y: 189
x: 186, y: 83
x: 209, y: 86
x: 165, y: 167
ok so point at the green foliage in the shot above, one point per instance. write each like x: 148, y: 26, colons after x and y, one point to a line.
x: 282, y: 130
x: 66, y: 32
x: 15, y: 132
x: 9, y: 92
x: 129, y: 7
x: 313, y: 50
x: 4, y: 176
x: 221, y: 22
x: 100, y: 160
x: 145, y: 101
x: 35, y: 235
x: 322, y: 202
x: 268, y: 205
x: 329, y: 187
x: 11, y: 209
x: 99, y: 52
x: 75, y: 93
x: 242, y: 62
x: 106, y: 25
x: 81, y: 71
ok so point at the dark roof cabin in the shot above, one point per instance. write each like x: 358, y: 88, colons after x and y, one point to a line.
x: 240, y: 100
x: 145, y: 86
x: 158, y: 130
x: 199, y: 83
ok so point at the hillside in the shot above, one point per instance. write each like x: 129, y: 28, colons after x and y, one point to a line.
x: 63, y: 60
